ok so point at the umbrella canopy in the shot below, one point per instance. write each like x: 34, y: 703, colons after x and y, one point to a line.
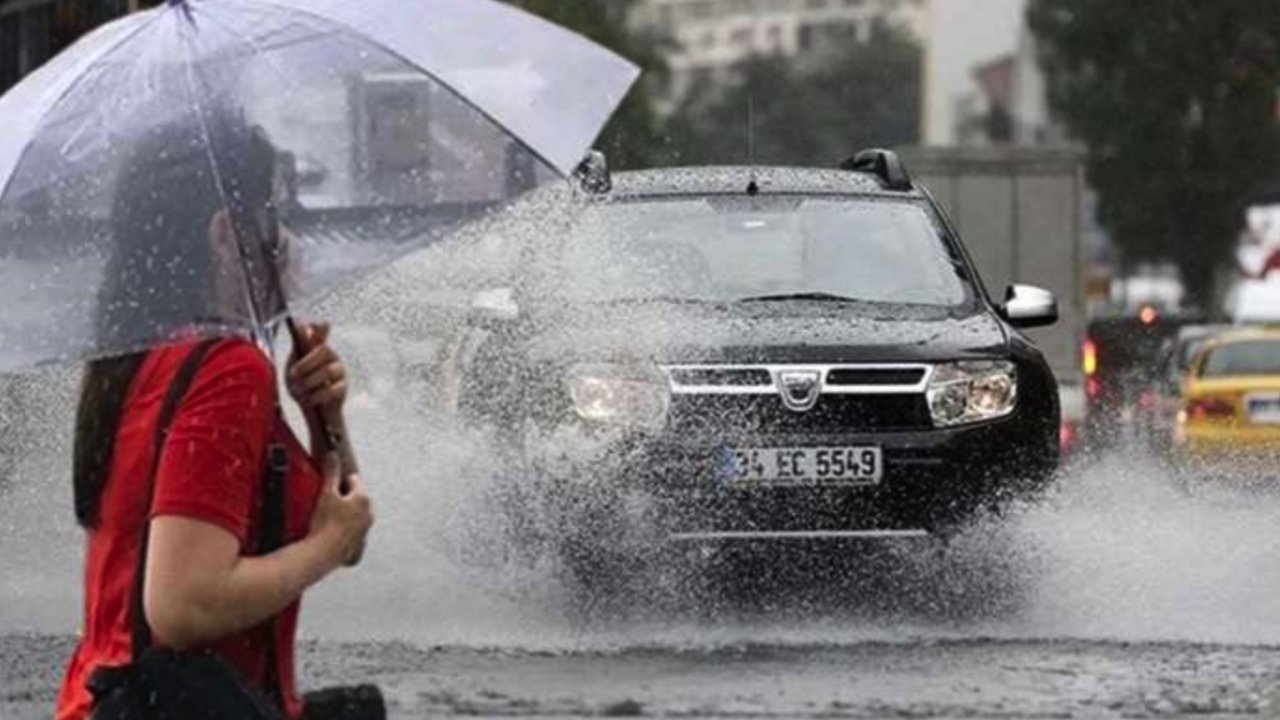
x: 200, y: 167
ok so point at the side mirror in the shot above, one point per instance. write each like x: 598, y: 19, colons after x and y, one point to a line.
x: 494, y: 307
x: 1027, y: 306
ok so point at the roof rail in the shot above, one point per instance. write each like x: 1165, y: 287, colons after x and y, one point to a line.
x: 592, y: 174
x: 884, y: 164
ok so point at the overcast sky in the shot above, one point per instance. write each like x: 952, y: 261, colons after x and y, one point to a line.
x: 965, y: 33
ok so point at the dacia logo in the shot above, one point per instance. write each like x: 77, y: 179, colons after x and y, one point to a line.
x: 800, y: 389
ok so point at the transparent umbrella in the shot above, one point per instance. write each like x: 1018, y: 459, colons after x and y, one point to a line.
x: 202, y: 167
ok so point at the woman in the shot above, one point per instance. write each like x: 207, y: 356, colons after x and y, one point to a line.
x: 203, y: 586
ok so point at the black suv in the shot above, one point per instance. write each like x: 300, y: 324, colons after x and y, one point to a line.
x: 757, y: 354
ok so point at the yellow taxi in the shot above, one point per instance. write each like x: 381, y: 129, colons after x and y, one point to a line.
x: 1230, y: 409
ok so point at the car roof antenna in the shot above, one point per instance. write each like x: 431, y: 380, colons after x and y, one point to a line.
x: 752, y: 186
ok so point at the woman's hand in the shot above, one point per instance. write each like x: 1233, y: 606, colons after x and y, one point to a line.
x: 317, y: 380
x: 342, y: 520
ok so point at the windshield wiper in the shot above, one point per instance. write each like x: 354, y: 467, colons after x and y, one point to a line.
x: 818, y: 296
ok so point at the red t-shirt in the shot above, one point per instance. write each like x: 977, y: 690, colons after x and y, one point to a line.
x: 210, y: 470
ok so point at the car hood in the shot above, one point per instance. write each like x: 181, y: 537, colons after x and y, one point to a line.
x: 800, y: 332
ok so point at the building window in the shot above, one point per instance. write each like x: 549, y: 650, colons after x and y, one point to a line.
x: 72, y: 18
x: 775, y: 37
x: 816, y: 4
x: 35, y: 37
x: 32, y: 35
x: 10, y: 60
x: 742, y: 36
x: 805, y: 39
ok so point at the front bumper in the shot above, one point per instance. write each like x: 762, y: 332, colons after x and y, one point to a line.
x: 1229, y: 438
x: 1241, y: 452
x: 932, y: 478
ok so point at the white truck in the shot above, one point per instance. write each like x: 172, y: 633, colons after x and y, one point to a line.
x: 1020, y: 212
x: 1254, y: 297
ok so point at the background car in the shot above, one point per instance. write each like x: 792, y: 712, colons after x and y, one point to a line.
x: 1159, y: 402
x: 1229, y: 423
x: 1121, y: 357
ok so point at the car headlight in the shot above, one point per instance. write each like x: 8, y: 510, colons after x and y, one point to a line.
x: 633, y: 396
x: 969, y: 392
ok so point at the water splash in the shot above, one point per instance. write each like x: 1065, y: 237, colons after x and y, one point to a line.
x: 1118, y: 552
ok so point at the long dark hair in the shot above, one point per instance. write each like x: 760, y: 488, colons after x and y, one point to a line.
x: 166, y: 194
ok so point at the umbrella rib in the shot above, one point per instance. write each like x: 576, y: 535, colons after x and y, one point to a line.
x: 73, y: 85
x: 272, y: 47
x: 447, y: 86
x: 255, y: 314
x: 268, y: 44
x: 256, y: 49
x: 285, y: 44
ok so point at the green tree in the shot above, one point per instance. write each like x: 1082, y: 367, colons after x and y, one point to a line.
x: 633, y: 138
x: 812, y: 110
x: 1176, y: 102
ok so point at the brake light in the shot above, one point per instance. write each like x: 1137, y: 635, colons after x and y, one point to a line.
x: 1090, y: 358
x: 1211, y: 409
x: 1067, y: 436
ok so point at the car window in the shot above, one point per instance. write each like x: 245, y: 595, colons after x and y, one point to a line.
x: 1259, y: 357
x: 728, y: 249
x: 1188, y: 352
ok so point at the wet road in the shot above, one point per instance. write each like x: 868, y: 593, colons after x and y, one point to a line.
x: 1119, y: 596
x: 903, y: 679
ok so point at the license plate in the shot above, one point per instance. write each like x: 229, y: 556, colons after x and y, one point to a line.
x: 1265, y: 410
x: 804, y: 466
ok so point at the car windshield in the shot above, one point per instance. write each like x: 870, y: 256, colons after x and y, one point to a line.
x: 731, y: 249
x: 1258, y: 357
x: 1188, y: 353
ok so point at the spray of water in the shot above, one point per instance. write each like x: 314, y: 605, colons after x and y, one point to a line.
x: 1117, y: 551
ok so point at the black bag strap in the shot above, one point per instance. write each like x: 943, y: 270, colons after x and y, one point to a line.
x: 140, y: 630
x: 271, y: 537
x: 272, y: 526
x: 271, y: 530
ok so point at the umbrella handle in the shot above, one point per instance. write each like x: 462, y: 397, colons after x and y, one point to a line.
x: 333, y: 429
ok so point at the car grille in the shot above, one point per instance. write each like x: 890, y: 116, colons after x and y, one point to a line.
x: 874, y: 377
x: 721, y: 377
x: 745, y: 400
x: 765, y: 414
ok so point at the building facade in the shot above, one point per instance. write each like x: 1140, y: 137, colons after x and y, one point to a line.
x: 1008, y: 103
x: 32, y: 31
x: 708, y: 37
